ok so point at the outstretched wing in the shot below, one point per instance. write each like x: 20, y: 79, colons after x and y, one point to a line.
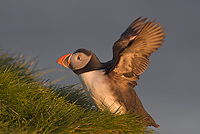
x: 133, y: 59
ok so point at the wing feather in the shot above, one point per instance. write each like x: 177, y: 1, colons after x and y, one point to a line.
x: 128, y: 35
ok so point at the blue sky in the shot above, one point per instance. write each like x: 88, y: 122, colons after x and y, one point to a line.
x: 169, y: 88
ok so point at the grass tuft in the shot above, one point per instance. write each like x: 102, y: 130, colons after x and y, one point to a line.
x: 28, y: 105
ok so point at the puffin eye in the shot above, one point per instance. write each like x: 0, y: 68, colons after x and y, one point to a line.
x: 78, y: 58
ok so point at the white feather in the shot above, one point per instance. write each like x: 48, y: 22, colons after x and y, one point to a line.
x: 98, y: 90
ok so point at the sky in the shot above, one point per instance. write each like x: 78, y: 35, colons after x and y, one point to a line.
x: 169, y: 88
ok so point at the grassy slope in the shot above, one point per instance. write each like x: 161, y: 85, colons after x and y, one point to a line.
x: 28, y: 106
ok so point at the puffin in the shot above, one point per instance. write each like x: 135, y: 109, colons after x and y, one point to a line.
x: 109, y: 85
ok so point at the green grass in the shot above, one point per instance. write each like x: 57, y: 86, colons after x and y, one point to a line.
x: 29, y: 105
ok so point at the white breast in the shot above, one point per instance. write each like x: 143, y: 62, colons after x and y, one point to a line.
x: 97, y: 88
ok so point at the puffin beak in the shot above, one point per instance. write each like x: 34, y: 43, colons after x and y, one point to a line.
x: 63, y: 58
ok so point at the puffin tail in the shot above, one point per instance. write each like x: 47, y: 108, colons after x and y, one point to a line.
x: 146, y: 118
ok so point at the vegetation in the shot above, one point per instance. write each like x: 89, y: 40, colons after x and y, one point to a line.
x: 29, y: 105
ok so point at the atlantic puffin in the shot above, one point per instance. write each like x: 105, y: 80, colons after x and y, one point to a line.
x: 110, y: 85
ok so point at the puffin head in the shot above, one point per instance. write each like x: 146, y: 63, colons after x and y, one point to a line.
x: 81, y: 61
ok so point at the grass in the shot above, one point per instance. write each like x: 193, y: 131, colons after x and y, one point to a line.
x: 29, y: 106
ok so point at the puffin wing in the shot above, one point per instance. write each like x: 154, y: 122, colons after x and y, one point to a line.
x: 133, y: 59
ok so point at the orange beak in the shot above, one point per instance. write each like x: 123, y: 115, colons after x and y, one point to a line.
x: 63, y: 58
